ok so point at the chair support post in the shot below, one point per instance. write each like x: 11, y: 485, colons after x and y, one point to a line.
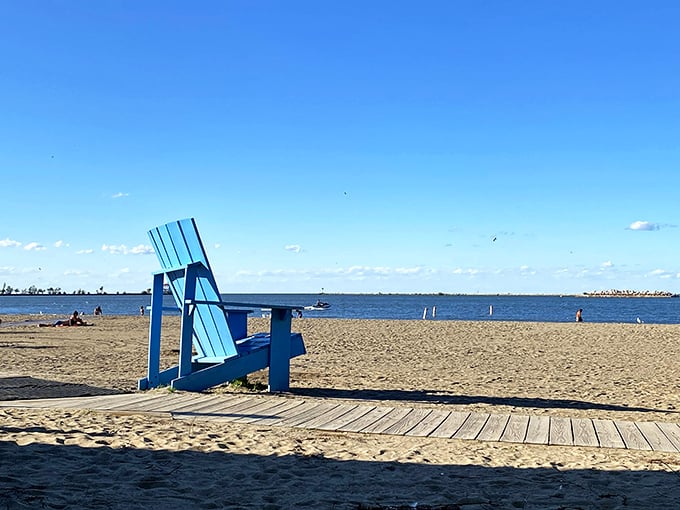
x: 155, y: 321
x: 279, y: 350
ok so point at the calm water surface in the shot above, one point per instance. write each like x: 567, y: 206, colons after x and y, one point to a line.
x: 374, y: 306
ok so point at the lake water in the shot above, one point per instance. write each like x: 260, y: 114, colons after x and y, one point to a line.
x: 379, y: 306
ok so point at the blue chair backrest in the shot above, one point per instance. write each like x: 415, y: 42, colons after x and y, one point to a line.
x: 177, y: 245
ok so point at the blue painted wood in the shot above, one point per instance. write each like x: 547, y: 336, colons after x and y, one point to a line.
x: 215, y: 329
x: 279, y: 351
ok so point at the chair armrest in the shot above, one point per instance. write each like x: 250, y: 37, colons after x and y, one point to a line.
x: 248, y: 305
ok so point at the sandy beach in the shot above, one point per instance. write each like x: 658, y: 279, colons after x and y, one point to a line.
x: 88, y: 459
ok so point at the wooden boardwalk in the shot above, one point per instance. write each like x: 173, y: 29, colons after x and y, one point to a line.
x: 371, y: 418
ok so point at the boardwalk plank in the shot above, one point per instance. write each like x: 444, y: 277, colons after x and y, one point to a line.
x: 326, y: 418
x: 366, y: 420
x: 655, y: 437
x: 607, y: 434
x: 632, y: 436
x: 672, y: 432
x: 276, y: 415
x: 198, y: 402
x: 494, y: 427
x: 387, y: 421
x: 347, y: 418
x: 560, y: 431
x: 316, y: 409
x: 232, y: 409
x: 538, y: 431
x: 584, y: 432
x: 516, y: 429
x: 429, y: 423
x: 472, y: 426
x: 450, y: 425
x: 162, y: 404
x: 227, y: 410
x: 291, y: 413
x: 267, y: 410
x: 407, y: 422
x: 127, y: 401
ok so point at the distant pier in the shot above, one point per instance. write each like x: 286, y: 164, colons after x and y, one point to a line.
x: 630, y: 293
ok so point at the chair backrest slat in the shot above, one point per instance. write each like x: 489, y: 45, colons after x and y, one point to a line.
x: 178, y: 244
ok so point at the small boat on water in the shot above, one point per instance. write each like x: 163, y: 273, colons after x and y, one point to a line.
x: 319, y: 305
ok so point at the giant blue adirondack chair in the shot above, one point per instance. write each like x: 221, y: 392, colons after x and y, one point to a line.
x: 217, y: 330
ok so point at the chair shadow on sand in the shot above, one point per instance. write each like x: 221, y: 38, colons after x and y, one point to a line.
x: 439, y: 397
x: 17, y: 387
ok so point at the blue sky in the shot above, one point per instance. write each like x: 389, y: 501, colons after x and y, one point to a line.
x: 382, y: 146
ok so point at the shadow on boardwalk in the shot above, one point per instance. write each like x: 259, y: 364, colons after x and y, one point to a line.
x: 439, y: 397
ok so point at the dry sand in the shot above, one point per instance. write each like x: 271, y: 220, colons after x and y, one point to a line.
x: 85, y: 459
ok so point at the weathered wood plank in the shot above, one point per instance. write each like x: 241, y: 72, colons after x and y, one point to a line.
x: 277, y: 414
x: 472, y: 426
x: 217, y: 407
x: 126, y: 401
x: 560, y: 431
x: 327, y: 417
x: 672, y: 431
x: 366, y: 420
x: 387, y: 421
x: 266, y: 408
x: 166, y: 404
x: 632, y: 436
x: 227, y: 410
x: 450, y: 425
x: 655, y: 437
x: 538, y: 431
x: 429, y: 423
x: 584, y: 432
x: 293, y: 413
x: 311, y: 413
x: 407, y: 422
x: 494, y: 427
x: 98, y: 402
x: 516, y: 429
x: 607, y: 434
x: 347, y: 418
x: 198, y: 402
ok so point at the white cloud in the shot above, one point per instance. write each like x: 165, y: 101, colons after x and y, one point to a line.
x: 120, y: 195
x: 4, y: 243
x: 643, y: 225
x: 84, y: 252
x: 121, y: 249
x: 60, y: 243
x: 141, y: 249
x: 608, y: 264
x: 34, y: 247
x: 295, y: 248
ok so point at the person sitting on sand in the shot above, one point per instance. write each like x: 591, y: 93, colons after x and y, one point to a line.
x: 73, y: 320
x: 98, y: 310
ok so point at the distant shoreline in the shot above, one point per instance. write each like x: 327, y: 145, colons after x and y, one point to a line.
x: 608, y: 293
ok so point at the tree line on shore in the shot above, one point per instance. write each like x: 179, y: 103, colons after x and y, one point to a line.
x: 8, y: 290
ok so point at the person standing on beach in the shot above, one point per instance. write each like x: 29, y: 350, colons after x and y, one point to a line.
x: 579, y: 317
